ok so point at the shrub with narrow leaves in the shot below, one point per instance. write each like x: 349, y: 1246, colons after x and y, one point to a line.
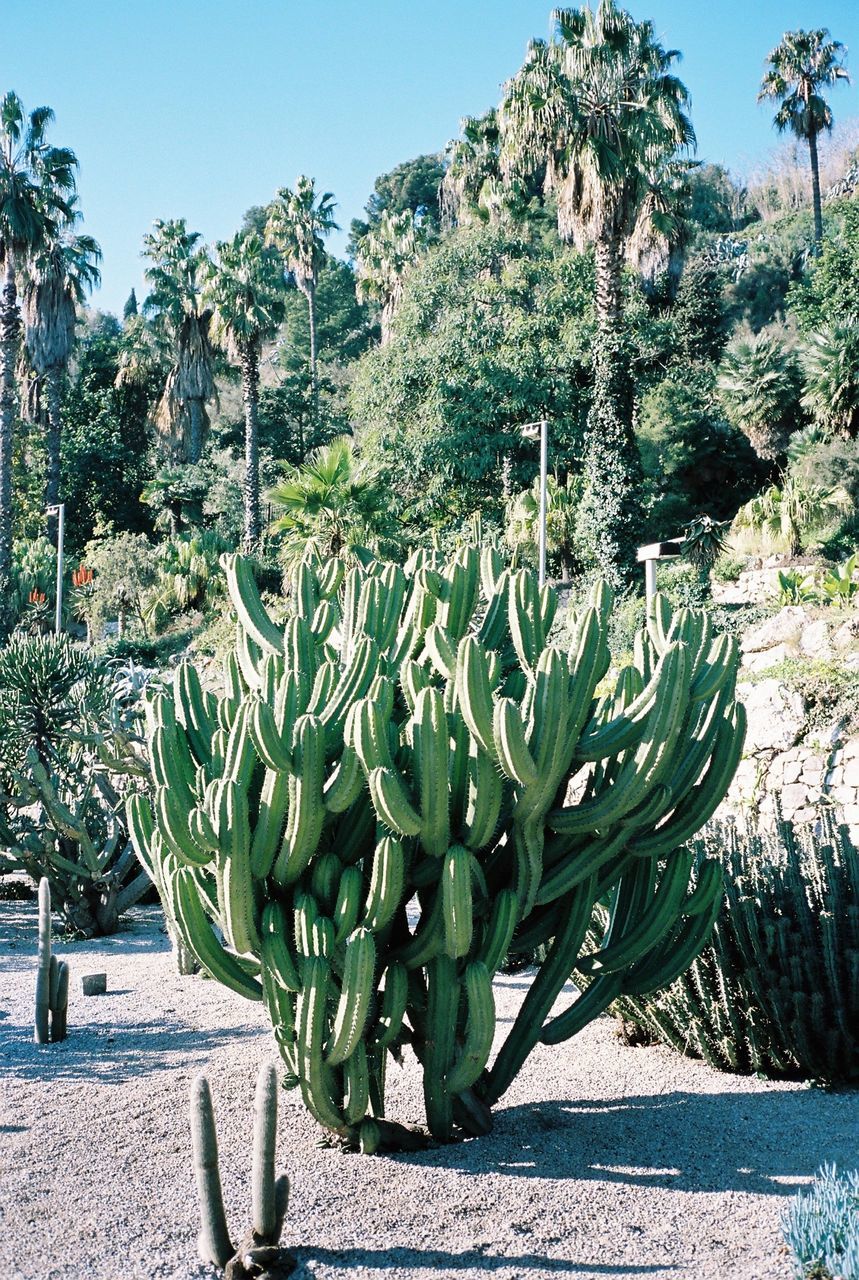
x: 821, y: 1226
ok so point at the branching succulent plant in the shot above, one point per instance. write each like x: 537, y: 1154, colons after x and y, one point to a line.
x: 776, y: 989
x: 62, y: 750
x: 258, y: 1254
x: 410, y: 738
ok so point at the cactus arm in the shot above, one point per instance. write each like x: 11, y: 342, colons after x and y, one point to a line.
x: 264, y: 1213
x: 43, y: 971
x: 213, y: 1242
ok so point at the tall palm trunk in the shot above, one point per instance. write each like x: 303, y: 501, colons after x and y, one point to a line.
x: 609, y: 515
x: 607, y: 264
x: 196, y: 420
x: 815, y: 190
x: 54, y: 438
x: 250, y: 396
x: 10, y: 329
x: 310, y: 293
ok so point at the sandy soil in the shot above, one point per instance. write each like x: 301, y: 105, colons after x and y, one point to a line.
x: 605, y: 1161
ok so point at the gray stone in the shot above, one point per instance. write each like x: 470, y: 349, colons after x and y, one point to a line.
x: 847, y: 634
x: 814, y: 639
x: 784, y: 628
x: 775, y: 715
x: 766, y: 658
x: 93, y: 984
x: 851, y: 772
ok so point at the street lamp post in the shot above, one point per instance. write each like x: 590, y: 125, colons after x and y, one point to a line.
x: 540, y: 431
x: 60, y: 512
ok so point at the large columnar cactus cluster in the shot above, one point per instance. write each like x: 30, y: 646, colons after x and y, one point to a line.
x: 407, y: 782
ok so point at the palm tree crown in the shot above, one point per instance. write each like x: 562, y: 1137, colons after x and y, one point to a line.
x: 59, y: 276
x: 383, y: 258
x: 297, y: 222
x: 244, y: 288
x: 36, y: 179
x: 801, y: 64
x: 177, y: 275
x: 600, y: 108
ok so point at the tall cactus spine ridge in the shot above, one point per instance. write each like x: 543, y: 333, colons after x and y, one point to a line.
x: 414, y: 735
x: 52, y: 979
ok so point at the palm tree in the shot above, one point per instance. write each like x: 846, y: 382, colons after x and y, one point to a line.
x: 297, y: 223
x: 329, y: 502
x: 244, y: 288
x: 471, y: 188
x: 179, y: 267
x: 801, y: 65
x: 759, y: 385
x: 36, y: 183
x: 383, y: 258
x: 599, y: 111
x: 831, y: 367
x: 59, y: 276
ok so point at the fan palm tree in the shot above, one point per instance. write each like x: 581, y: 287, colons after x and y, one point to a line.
x: 36, y: 183
x: 800, y: 66
x: 831, y: 367
x: 176, y: 276
x: 244, y: 289
x: 297, y: 222
x: 329, y: 502
x: 599, y: 111
x: 472, y: 182
x: 759, y: 384
x: 383, y: 258
x: 59, y: 276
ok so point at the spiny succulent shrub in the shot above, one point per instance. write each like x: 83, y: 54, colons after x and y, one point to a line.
x: 821, y: 1227
x: 776, y: 990
x: 409, y: 743
x: 62, y: 754
x: 258, y: 1254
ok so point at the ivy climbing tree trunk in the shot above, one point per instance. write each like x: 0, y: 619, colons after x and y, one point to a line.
x: 250, y: 396
x: 610, y: 516
x: 10, y: 329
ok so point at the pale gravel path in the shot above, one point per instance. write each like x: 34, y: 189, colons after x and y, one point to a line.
x: 605, y: 1161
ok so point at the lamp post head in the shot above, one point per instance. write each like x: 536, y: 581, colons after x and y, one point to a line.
x: 531, y: 430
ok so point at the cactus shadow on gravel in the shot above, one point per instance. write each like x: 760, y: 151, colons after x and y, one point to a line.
x: 114, y: 1051
x: 767, y: 1143
x: 469, y: 1261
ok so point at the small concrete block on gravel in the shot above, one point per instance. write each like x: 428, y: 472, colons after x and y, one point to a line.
x: 93, y: 984
x: 605, y: 1161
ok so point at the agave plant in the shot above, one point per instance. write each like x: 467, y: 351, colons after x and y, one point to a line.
x: 704, y: 541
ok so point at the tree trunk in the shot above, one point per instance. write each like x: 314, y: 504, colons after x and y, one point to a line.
x: 250, y: 396
x: 610, y: 516
x: 54, y: 437
x: 10, y: 329
x: 607, y: 264
x: 196, y: 419
x: 815, y: 191
x: 311, y: 315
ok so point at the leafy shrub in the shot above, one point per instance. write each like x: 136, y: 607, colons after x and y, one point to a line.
x: 775, y: 991
x: 683, y: 584
x: 839, y: 585
x: 821, y: 1226
x: 63, y: 747
x: 728, y: 567
x: 796, y: 587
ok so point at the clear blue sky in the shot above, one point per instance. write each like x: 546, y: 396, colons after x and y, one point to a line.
x: 200, y: 108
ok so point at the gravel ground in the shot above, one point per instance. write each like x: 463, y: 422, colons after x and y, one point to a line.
x: 605, y: 1160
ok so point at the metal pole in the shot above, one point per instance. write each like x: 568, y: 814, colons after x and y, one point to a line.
x: 61, y: 530
x: 649, y: 583
x: 544, y: 473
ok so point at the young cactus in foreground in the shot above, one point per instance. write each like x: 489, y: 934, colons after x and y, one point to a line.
x: 412, y: 736
x: 52, y: 979
x: 258, y: 1254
